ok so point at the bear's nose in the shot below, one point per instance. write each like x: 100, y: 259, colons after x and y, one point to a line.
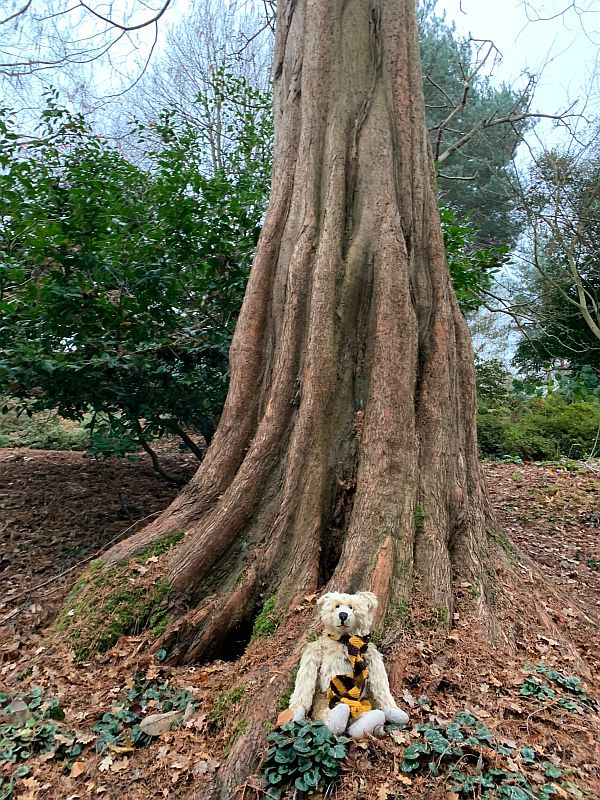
x: 343, y: 616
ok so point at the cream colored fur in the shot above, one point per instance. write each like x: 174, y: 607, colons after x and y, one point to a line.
x: 343, y: 614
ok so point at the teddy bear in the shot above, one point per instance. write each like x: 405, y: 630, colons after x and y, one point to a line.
x: 341, y: 676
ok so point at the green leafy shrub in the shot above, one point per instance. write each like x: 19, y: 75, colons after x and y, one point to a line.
x: 541, y: 428
x: 470, y: 756
x: 44, y: 430
x: 573, y: 426
x: 122, y: 723
x: 472, y: 267
x: 525, y: 440
x: 120, y: 284
x: 492, y: 435
x: 304, y: 755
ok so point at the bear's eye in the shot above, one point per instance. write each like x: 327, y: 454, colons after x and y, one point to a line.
x: 350, y: 607
x: 338, y: 605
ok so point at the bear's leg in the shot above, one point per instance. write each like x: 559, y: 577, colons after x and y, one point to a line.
x: 337, y: 720
x: 369, y: 722
x: 395, y: 715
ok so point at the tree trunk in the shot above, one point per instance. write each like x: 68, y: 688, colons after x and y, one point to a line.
x: 346, y: 454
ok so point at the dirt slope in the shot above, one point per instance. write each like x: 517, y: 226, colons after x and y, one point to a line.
x: 60, y: 508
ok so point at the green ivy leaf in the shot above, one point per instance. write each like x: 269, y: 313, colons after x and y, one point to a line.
x: 300, y: 784
x: 527, y: 755
x: 438, y: 742
x: 22, y: 771
x: 550, y: 770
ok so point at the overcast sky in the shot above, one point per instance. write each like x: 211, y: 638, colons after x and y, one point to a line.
x: 564, y: 48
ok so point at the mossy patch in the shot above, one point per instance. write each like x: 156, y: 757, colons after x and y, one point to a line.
x: 106, y: 604
x: 283, y: 700
x: 159, y: 548
x: 225, y: 701
x: 502, y: 539
x: 419, y: 517
x: 438, y: 617
x: 239, y: 729
x: 442, y: 616
x: 267, y: 621
x: 158, y: 623
x: 397, y: 613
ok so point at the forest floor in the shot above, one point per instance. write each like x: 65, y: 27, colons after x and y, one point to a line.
x: 59, y: 509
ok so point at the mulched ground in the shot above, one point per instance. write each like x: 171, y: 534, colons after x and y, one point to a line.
x: 58, y: 509
x: 553, y: 514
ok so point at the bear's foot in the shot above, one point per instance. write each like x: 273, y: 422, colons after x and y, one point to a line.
x: 338, y: 718
x: 395, y: 715
x: 299, y: 713
x: 371, y: 722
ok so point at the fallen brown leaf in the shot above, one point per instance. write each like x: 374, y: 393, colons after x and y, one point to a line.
x: 286, y: 716
x: 78, y: 768
x: 120, y: 765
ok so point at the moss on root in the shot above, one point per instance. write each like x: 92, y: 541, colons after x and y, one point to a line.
x: 217, y: 716
x: 159, y: 548
x: 267, y: 621
x: 283, y: 700
x: 105, y: 604
x: 506, y: 545
x: 239, y: 729
x: 419, y: 516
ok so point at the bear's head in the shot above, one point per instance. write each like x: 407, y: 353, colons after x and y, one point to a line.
x: 347, y: 613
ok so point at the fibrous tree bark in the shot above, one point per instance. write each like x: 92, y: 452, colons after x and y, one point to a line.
x: 346, y: 454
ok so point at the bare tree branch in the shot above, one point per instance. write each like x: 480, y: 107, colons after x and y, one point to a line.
x: 19, y: 12
x: 127, y: 27
x: 459, y: 107
x: 491, y: 122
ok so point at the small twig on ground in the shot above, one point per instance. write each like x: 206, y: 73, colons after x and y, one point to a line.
x: 10, y: 615
x: 536, y: 711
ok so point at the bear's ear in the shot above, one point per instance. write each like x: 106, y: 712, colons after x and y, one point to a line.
x: 322, y: 600
x: 371, y: 599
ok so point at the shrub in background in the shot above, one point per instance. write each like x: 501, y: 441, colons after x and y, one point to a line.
x: 536, y: 421
x: 120, y: 284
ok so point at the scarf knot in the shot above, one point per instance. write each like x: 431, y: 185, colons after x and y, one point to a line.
x: 348, y: 688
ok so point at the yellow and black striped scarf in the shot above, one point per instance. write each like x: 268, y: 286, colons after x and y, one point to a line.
x: 349, y: 688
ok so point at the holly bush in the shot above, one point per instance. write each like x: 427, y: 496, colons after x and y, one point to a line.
x: 120, y: 283
x: 472, y: 267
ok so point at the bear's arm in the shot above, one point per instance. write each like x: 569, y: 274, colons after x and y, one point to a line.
x: 379, y: 686
x: 306, y: 677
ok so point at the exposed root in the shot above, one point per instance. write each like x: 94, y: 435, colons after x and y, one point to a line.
x: 109, y: 602
x: 204, y: 633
